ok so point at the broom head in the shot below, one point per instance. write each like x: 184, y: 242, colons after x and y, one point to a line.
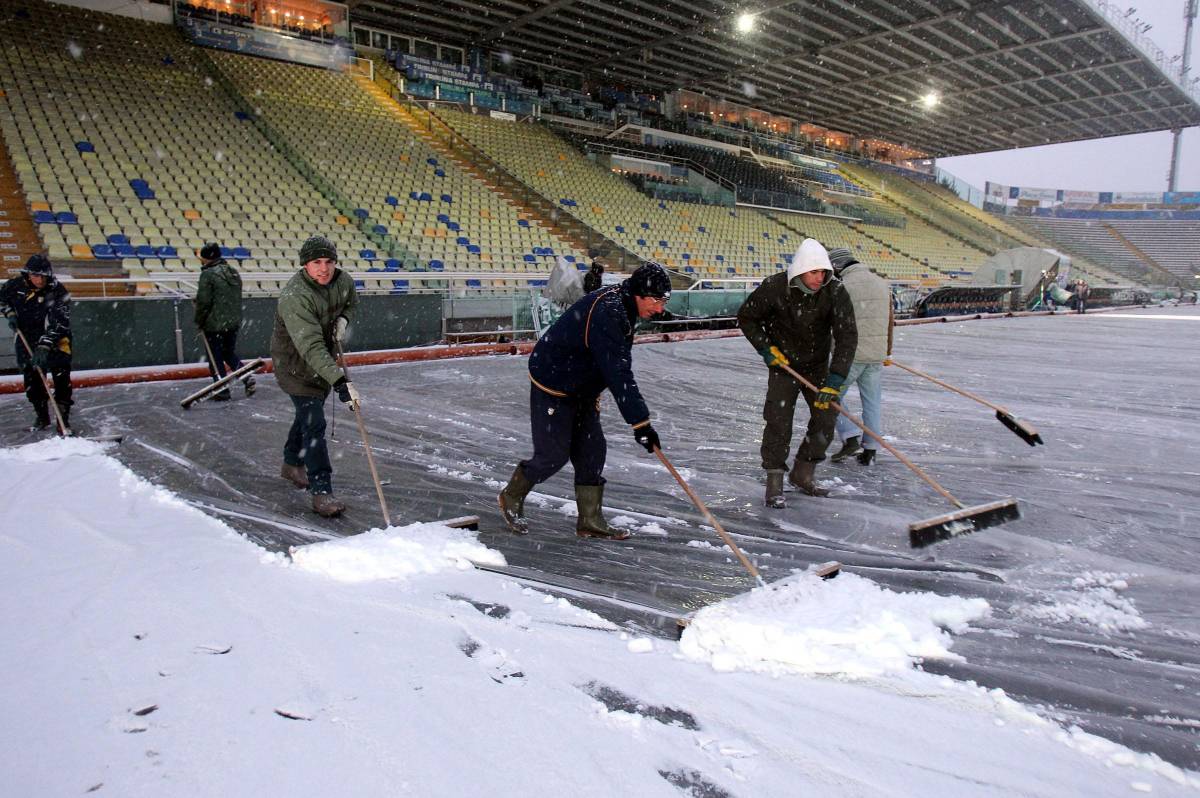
x: 1023, y: 429
x: 962, y: 522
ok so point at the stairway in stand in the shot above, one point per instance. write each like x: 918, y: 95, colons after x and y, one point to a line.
x: 18, y: 237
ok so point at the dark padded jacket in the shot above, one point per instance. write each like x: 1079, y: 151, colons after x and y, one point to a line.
x: 803, y: 326
x: 219, y: 298
x: 43, y: 315
x: 302, y: 339
x: 589, y: 349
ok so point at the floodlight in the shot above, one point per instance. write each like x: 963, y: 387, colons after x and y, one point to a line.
x: 931, y: 99
x: 745, y: 23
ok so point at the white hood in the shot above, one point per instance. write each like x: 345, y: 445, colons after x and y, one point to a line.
x: 809, y: 257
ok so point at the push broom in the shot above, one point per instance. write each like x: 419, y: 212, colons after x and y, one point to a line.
x: 962, y: 521
x: 1023, y: 429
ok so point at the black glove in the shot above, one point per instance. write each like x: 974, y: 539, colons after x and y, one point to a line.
x: 41, y: 357
x: 647, y: 437
x: 347, y: 392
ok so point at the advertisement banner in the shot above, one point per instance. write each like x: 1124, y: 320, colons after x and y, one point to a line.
x: 995, y: 190
x: 505, y: 115
x: 265, y: 43
x: 1135, y: 197
x: 1039, y: 194
x: 1081, y: 197
x: 1181, y: 198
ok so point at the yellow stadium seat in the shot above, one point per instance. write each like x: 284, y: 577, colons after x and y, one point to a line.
x: 81, y: 252
x: 191, y: 214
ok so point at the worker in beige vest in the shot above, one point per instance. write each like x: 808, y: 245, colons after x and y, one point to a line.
x: 872, y: 299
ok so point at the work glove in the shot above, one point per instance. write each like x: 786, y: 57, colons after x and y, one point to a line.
x: 773, y: 357
x: 647, y: 437
x: 347, y: 393
x: 339, y: 328
x: 831, y: 391
x: 41, y: 357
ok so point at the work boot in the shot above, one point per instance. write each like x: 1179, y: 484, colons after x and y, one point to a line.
x: 326, y: 506
x: 850, y: 447
x: 774, y: 498
x: 295, y: 474
x: 42, y: 419
x: 512, y: 502
x: 866, y: 457
x: 249, y: 385
x: 802, y: 476
x: 591, y: 523
x: 221, y: 395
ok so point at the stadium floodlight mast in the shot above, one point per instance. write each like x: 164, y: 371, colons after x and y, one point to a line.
x: 745, y: 22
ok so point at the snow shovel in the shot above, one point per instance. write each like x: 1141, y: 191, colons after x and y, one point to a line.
x: 963, y: 521
x: 1023, y: 429
x: 362, y: 430
x: 48, y: 386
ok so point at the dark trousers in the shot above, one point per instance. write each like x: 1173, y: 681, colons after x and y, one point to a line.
x: 224, y: 351
x: 778, y: 412
x: 306, y: 443
x: 58, y: 368
x: 565, y: 428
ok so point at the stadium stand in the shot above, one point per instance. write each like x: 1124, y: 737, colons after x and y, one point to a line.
x: 128, y: 154
x: 428, y: 212
x: 1091, y: 239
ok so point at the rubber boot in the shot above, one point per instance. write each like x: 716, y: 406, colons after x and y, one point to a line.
x: 866, y: 457
x: 41, y: 421
x: 326, y: 506
x: 774, y: 498
x: 65, y: 411
x: 591, y: 523
x: 512, y: 502
x: 850, y: 447
x: 802, y: 476
x: 249, y: 385
x: 295, y: 474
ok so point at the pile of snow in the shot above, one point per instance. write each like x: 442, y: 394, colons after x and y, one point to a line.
x: 847, y: 626
x: 1095, y: 600
x: 395, y: 553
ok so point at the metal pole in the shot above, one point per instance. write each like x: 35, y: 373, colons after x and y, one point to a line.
x: 178, y: 335
x: 1189, y: 17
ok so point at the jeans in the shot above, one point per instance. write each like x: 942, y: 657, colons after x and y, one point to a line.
x: 565, y: 428
x: 869, y: 378
x: 306, y: 443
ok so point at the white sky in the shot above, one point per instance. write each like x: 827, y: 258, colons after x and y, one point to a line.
x: 149, y: 650
x: 1124, y: 163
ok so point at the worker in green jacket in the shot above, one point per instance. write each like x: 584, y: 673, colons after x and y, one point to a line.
x: 219, y: 315
x: 310, y: 323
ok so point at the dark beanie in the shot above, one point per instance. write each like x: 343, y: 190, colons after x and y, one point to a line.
x: 210, y: 251
x: 38, y: 264
x: 317, y: 247
x: 650, y: 280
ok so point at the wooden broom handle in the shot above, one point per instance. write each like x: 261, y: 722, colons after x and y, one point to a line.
x: 946, y: 385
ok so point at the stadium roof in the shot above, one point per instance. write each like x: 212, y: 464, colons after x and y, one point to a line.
x: 1009, y: 74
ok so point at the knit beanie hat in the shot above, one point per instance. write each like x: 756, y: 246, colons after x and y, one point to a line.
x: 650, y: 280
x: 317, y: 247
x: 38, y: 264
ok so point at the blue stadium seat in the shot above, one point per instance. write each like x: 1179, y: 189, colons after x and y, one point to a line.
x: 447, y: 198
x: 462, y: 241
x: 360, y: 285
x: 123, y: 251
x: 645, y: 225
x: 436, y: 266
x: 523, y: 223
x: 366, y: 254
x: 102, y: 252
x: 145, y: 251
x: 399, y: 286
x: 241, y: 253
x: 44, y: 217
x: 166, y: 252
x: 529, y: 258
x: 361, y: 213
x: 569, y: 258
x: 443, y: 218
x: 749, y: 247
x: 425, y: 197
x: 392, y: 265
x: 85, y: 146
x: 440, y: 172
x: 702, y: 229
x: 431, y: 161
x: 474, y: 249
x: 474, y: 284
x: 453, y: 227
x: 66, y: 217
x: 118, y: 238
x: 393, y: 201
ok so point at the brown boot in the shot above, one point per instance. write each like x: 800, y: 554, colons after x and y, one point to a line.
x: 774, y: 498
x: 326, y: 506
x: 590, y: 523
x: 512, y: 502
x: 295, y: 474
x: 802, y: 477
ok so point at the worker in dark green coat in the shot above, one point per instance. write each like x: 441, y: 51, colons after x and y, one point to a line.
x: 219, y: 315
x: 310, y: 322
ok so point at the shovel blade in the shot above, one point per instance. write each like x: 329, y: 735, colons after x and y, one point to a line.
x: 1024, y: 430
x: 962, y: 522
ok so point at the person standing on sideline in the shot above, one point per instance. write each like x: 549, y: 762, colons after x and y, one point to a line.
x: 39, y: 306
x: 586, y: 351
x: 1082, y: 291
x: 219, y: 316
x: 793, y: 319
x: 594, y: 277
x: 873, y: 319
x: 310, y: 323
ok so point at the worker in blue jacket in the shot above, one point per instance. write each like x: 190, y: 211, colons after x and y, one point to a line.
x: 586, y: 351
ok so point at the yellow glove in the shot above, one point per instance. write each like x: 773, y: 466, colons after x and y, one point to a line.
x: 824, y: 397
x: 773, y: 357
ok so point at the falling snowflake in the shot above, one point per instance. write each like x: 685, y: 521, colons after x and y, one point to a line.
x: 75, y: 50
x: 208, y: 81
x: 749, y: 89
x: 219, y: 155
